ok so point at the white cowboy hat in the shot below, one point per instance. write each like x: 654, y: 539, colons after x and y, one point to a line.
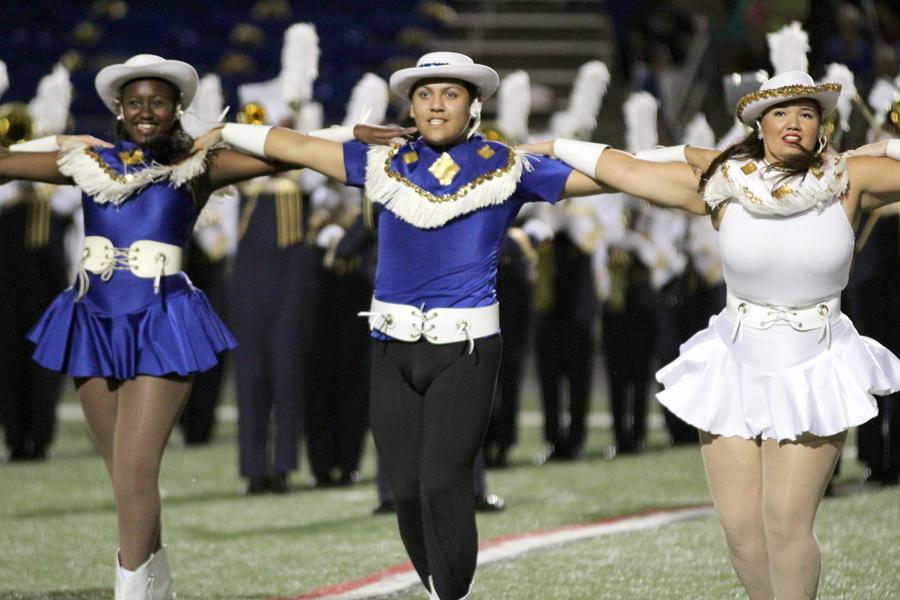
x: 446, y: 65
x: 790, y: 85
x: 109, y: 80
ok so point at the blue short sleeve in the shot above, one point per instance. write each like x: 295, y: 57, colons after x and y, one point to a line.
x: 544, y: 180
x: 355, y: 162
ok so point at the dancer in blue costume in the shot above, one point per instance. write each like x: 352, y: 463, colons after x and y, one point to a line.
x: 133, y: 330
x: 445, y: 201
x: 780, y: 375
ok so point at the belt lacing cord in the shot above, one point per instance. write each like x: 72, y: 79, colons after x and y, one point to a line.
x: 738, y: 332
x: 83, y: 281
x: 387, y: 318
x: 781, y: 314
x: 161, y: 261
x: 424, y: 327
x: 462, y: 326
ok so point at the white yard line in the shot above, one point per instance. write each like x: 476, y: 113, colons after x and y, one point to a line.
x: 401, y: 577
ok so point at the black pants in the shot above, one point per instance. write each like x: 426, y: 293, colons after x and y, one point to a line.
x: 430, y: 408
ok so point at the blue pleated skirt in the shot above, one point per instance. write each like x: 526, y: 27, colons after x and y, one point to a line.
x: 121, y: 329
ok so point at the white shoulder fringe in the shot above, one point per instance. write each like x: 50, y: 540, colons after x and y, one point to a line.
x: 762, y: 193
x: 419, y: 207
x: 100, y: 181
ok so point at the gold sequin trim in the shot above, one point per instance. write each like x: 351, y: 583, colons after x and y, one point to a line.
x: 788, y: 92
x: 748, y: 168
x: 486, y: 152
x: 461, y: 192
x: 752, y: 197
x: 410, y: 157
x: 112, y: 173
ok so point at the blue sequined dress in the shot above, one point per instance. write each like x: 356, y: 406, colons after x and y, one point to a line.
x: 121, y: 328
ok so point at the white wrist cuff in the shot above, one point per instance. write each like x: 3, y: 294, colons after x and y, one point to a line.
x: 663, y: 154
x: 335, y: 134
x: 247, y: 138
x: 43, y: 144
x: 892, y: 150
x: 582, y: 156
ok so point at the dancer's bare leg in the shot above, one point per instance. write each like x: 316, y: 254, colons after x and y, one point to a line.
x: 795, y: 475
x: 735, y: 476
x: 146, y: 410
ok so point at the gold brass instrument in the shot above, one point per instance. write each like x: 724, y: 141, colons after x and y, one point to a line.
x: 16, y: 125
x: 252, y: 114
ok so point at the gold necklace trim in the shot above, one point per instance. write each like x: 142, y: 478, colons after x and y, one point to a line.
x: 461, y: 192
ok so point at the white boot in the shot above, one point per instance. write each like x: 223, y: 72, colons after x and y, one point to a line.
x: 151, y: 581
x: 432, y: 595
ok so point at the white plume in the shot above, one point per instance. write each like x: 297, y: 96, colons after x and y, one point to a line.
x: 514, y: 105
x: 50, y: 106
x: 4, y: 78
x: 640, y: 121
x: 310, y: 117
x: 839, y: 73
x: 299, y: 62
x: 788, y: 47
x: 368, y: 101
x: 584, y: 102
x: 699, y: 133
x: 205, y: 109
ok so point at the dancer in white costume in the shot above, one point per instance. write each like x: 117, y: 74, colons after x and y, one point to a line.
x: 779, y: 376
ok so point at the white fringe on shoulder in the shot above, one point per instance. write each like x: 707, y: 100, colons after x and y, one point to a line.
x: 425, y: 210
x: 103, y: 184
x: 754, y: 190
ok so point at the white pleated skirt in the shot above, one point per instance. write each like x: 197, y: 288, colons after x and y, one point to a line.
x: 777, y: 383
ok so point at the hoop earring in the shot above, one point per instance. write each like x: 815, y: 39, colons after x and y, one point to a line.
x: 120, y: 117
x: 179, y: 112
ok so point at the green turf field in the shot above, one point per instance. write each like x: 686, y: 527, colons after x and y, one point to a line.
x: 57, y: 529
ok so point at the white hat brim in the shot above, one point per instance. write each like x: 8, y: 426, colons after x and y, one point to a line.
x: 109, y: 80
x: 753, y: 105
x: 481, y: 76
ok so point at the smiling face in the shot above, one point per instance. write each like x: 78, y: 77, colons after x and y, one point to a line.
x: 441, y: 111
x: 788, y: 126
x: 148, y: 109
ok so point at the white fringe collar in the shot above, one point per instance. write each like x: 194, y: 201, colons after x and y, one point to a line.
x: 425, y: 210
x: 763, y: 192
x: 104, y: 184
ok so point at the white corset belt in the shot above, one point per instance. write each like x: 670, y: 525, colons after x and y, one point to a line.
x: 438, y: 326
x: 144, y: 258
x: 746, y: 313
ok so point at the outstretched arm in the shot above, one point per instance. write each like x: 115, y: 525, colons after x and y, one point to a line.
x: 280, y: 149
x: 36, y: 160
x: 666, y: 184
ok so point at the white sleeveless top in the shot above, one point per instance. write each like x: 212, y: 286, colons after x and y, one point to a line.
x: 786, y: 261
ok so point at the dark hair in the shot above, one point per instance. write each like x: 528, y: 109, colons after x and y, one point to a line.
x: 752, y: 147
x: 176, y: 145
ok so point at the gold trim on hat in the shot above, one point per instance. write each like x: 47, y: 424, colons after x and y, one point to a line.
x: 788, y: 92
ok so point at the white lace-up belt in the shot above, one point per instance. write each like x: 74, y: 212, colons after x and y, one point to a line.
x: 144, y: 258
x: 746, y: 313
x: 438, y: 325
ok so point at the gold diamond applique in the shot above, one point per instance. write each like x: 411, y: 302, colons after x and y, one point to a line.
x: 748, y: 168
x: 817, y: 172
x: 411, y: 157
x: 444, y: 169
x: 782, y: 191
x: 486, y: 152
x: 135, y: 157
